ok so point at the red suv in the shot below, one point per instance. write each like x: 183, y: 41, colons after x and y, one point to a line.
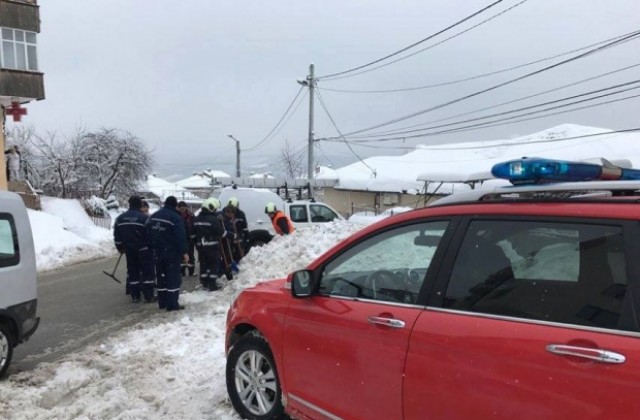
x: 514, y: 303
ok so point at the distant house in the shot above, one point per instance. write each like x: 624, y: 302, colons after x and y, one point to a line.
x: 202, y: 184
x: 157, y: 190
x: 383, y: 182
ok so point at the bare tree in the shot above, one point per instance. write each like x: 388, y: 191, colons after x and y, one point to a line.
x: 59, y: 163
x: 291, y: 161
x: 102, y: 163
x: 115, y: 161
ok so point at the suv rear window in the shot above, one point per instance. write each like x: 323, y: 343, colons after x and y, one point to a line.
x: 559, y: 272
x: 9, y: 250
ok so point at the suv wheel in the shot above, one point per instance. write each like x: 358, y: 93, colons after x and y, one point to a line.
x: 6, y: 348
x: 252, y: 379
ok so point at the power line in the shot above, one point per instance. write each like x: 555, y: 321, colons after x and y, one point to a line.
x: 493, y: 145
x: 511, y: 120
x: 295, y: 108
x: 398, y: 133
x: 373, y: 171
x: 596, y: 50
x: 265, y: 138
x: 479, y: 76
x: 395, y: 131
x: 414, y: 44
x: 286, y: 121
x: 430, y: 46
x: 317, y: 144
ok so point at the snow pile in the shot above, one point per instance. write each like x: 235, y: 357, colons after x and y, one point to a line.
x: 96, y: 205
x: 64, y: 234
x: 170, y: 366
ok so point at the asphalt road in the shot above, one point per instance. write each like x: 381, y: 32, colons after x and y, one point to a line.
x: 77, y: 306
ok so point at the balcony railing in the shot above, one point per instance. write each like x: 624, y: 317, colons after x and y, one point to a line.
x: 21, y: 84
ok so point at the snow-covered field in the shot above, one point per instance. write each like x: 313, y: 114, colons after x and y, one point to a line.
x: 171, y: 366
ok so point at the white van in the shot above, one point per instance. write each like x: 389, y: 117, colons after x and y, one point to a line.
x: 252, y: 201
x: 18, y: 282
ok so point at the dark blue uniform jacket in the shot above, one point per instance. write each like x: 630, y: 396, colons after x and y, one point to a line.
x: 129, y: 230
x: 167, y: 234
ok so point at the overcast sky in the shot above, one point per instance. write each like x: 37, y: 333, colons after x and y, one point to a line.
x: 183, y: 75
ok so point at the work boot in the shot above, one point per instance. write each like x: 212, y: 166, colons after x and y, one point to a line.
x: 179, y: 308
x: 135, y: 299
x: 151, y: 299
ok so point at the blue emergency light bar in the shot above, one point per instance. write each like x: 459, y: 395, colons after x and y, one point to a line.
x: 538, y: 170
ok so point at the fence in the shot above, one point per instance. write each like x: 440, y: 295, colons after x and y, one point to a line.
x: 103, y: 222
x: 25, y: 190
x: 99, y: 217
x: 31, y: 201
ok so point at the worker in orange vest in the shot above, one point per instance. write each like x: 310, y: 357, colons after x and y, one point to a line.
x: 281, y: 222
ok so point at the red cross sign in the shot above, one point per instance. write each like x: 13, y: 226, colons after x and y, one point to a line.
x: 16, y: 111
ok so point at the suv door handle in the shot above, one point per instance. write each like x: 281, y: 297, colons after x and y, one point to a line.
x: 387, y: 322
x: 598, y: 355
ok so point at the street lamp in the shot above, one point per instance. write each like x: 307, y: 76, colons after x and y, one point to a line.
x: 237, y: 154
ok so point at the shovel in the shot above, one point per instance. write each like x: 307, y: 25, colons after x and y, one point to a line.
x: 112, y: 275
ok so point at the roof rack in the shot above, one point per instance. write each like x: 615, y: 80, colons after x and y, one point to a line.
x: 587, y: 190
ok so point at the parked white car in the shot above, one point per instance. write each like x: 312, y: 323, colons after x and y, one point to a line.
x: 18, y: 282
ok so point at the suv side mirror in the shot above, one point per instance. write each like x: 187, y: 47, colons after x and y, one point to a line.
x: 301, y: 283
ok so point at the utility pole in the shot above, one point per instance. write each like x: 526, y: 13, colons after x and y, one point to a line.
x: 237, y: 154
x: 310, y: 82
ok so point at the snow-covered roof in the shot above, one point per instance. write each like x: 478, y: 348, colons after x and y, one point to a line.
x: 324, y: 172
x: 473, y: 160
x: 202, y: 179
x: 265, y: 175
x: 163, y: 189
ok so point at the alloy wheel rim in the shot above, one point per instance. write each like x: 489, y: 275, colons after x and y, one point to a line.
x: 4, y: 350
x: 255, y: 382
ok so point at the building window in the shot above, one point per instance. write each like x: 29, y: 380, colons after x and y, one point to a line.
x: 9, y: 249
x: 18, y: 50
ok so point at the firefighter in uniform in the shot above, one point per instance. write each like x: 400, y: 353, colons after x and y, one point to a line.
x: 242, y: 228
x: 187, y: 217
x: 209, y: 231
x: 168, y: 239
x: 131, y: 238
